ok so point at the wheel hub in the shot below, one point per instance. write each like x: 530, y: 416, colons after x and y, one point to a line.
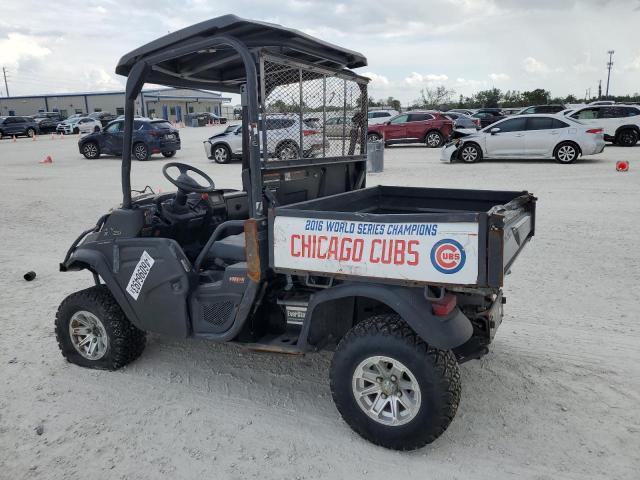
x: 386, y: 390
x: 88, y: 335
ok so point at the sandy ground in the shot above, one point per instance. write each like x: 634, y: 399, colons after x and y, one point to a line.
x: 557, y: 398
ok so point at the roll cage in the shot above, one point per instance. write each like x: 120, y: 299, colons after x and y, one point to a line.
x: 275, y: 70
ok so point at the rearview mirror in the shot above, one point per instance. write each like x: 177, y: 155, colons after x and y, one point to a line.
x: 495, y: 130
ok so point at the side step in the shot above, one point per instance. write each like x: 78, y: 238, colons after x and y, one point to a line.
x: 285, y: 343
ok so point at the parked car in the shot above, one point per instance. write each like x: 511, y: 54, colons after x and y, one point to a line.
x: 208, y: 117
x: 18, y: 126
x: 79, y: 125
x: 488, y: 116
x: 510, y: 110
x: 528, y: 136
x: 47, y: 122
x: 621, y: 123
x: 375, y: 117
x: 460, y: 120
x: 338, y: 126
x: 429, y: 127
x: 464, y: 111
x: 602, y: 102
x: 149, y: 137
x: 283, y: 138
x: 542, y: 109
x: 103, y: 117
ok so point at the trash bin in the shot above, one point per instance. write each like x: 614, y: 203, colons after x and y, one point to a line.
x: 194, y: 122
x: 375, y: 156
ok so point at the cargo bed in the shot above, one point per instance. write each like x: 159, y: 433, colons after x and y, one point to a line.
x: 404, y: 235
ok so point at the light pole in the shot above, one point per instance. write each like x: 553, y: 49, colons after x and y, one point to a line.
x: 609, y: 65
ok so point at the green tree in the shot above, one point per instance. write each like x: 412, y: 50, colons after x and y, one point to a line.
x: 539, y: 96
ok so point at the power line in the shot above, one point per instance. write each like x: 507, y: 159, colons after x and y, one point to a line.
x: 609, y: 65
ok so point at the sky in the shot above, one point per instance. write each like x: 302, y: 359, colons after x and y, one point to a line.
x: 466, y: 45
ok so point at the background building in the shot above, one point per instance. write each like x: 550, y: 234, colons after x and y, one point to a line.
x: 170, y: 103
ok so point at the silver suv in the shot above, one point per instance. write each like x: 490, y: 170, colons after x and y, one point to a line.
x: 283, y: 140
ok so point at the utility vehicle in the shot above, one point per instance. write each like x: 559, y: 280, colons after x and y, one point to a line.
x: 403, y: 283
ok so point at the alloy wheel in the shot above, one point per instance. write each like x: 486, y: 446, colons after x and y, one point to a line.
x: 386, y: 390
x: 469, y: 154
x: 220, y: 154
x: 88, y: 335
x: 566, y: 153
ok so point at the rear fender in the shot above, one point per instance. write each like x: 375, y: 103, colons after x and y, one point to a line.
x: 410, y: 303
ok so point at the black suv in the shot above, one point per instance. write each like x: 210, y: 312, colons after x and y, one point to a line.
x: 542, y: 109
x: 18, y: 126
x: 149, y: 137
x: 48, y: 122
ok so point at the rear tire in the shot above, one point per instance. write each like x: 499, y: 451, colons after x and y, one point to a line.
x: 470, y: 153
x: 30, y: 132
x: 566, y: 153
x: 169, y: 154
x: 93, y: 331
x: 140, y: 151
x: 96, y: 129
x: 287, y: 151
x: 433, y: 139
x: 627, y: 137
x: 373, y: 137
x: 91, y: 150
x: 76, y: 130
x: 391, y: 387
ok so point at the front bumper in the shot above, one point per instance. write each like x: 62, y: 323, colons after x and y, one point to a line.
x: 448, y: 152
x: 64, y: 129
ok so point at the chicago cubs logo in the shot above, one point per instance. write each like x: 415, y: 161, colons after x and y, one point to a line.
x: 447, y: 256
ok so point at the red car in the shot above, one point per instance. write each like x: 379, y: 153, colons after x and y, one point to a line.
x: 431, y: 128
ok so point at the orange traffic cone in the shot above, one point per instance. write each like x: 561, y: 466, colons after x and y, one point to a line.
x: 47, y: 159
x: 61, y: 136
x: 52, y: 137
x: 33, y: 139
x: 14, y: 139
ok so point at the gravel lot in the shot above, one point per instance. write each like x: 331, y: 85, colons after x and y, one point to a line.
x: 557, y: 398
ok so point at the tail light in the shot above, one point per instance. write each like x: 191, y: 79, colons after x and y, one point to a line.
x: 445, y: 305
x: 476, y: 121
x: 306, y: 133
x: 595, y: 130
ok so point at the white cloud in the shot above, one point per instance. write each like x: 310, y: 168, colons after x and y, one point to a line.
x: 97, y: 78
x: 634, y: 65
x: 469, y: 85
x: 499, y: 77
x: 18, y: 47
x: 416, y: 79
x: 377, y: 80
x: 531, y: 65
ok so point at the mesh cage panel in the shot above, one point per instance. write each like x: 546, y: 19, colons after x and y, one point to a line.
x: 308, y: 113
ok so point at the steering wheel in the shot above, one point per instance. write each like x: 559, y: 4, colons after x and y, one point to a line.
x: 186, y: 183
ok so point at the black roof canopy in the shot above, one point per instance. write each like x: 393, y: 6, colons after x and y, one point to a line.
x: 196, y: 65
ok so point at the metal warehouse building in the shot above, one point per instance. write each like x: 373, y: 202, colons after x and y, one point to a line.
x: 169, y: 103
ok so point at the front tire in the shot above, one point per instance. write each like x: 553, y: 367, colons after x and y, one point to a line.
x: 470, y: 153
x: 76, y: 131
x: 91, y: 150
x: 433, y: 139
x: 93, y: 331
x: 221, y: 154
x: 391, y: 387
x: 373, y: 137
x: 31, y: 132
x: 566, y: 153
x: 627, y: 138
x: 140, y: 152
x: 169, y: 154
x: 96, y: 129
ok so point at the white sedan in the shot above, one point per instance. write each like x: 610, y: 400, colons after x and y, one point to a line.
x: 528, y: 136
x: 79, y: 125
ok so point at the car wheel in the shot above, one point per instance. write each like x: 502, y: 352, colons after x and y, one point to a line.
x: 76, y: 130
x: 470, y: 153
x: 93, y: 331
x: 287, y: 151
x: 627, y: 138
x: 96, y: 129
x: 221, y: 154
x: 434, y: 139
x: 566, y: 153
x: 140, y: 151
x: 169, y: 154
x: 31, y: 132
x: 373, y: 137
x: 91, y: 150
x: 391, y: 387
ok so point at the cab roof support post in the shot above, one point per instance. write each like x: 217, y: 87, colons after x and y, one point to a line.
x: 135, y: 81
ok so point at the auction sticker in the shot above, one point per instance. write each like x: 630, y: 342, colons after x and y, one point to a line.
x: 426, y: 252
x: 139, y: 275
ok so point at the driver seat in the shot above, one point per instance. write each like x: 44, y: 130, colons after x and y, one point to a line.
x: 229, y: 249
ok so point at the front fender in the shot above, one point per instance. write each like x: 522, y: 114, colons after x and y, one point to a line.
x: 410, y: 303
x: 93, y: 260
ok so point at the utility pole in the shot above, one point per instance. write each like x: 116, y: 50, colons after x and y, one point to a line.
x: 6, y: 87
x: 609, y: 65
x: 599, y: 89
